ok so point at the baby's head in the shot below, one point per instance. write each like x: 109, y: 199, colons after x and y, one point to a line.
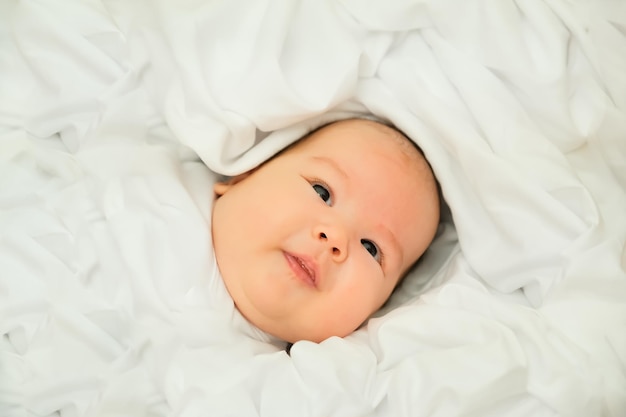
x: 314, y: 241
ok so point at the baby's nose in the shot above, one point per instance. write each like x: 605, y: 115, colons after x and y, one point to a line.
x: 335, y: 240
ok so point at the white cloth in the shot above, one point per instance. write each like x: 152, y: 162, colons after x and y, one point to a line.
x: 109, y: 303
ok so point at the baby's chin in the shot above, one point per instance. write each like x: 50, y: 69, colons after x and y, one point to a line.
x: 312, y: 332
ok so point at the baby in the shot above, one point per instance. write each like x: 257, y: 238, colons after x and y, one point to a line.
x: 313, y: 241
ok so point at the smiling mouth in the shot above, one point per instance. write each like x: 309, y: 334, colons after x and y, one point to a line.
x: 302, y: 269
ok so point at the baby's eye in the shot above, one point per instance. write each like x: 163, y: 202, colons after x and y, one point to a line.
x: 323, y: 192
x: 371, y: 248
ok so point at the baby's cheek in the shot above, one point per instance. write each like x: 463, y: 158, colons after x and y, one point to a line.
x: 361, y: 301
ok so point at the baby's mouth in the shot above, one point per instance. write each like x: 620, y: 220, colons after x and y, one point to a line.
x: 302, y: 268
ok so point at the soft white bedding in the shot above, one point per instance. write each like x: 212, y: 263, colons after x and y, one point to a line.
x: 109, y: 302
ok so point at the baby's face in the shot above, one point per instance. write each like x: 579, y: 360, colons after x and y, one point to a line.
x: 314, y: 241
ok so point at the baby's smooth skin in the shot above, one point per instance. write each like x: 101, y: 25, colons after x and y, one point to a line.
x: 314, y: 241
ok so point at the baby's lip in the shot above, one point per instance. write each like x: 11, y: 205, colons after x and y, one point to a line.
x: 304, y: 267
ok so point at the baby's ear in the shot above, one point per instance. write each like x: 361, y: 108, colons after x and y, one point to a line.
x: 220, y: 188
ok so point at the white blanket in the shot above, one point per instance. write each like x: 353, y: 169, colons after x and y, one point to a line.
x: 109, y: 300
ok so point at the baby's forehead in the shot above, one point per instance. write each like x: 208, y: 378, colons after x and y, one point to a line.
x: 363, y: 135
x: 351, y: 128
x: 339, y: 139
x: 407, y: 147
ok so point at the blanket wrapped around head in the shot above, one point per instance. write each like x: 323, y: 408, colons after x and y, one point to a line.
x: 108, y: 107
x: 506, y: 101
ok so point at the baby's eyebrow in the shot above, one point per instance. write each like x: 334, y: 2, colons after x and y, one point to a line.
x: 395, y: 245
x: 334, y: 165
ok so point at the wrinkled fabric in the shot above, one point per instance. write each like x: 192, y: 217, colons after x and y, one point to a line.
x: 116, y: 117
